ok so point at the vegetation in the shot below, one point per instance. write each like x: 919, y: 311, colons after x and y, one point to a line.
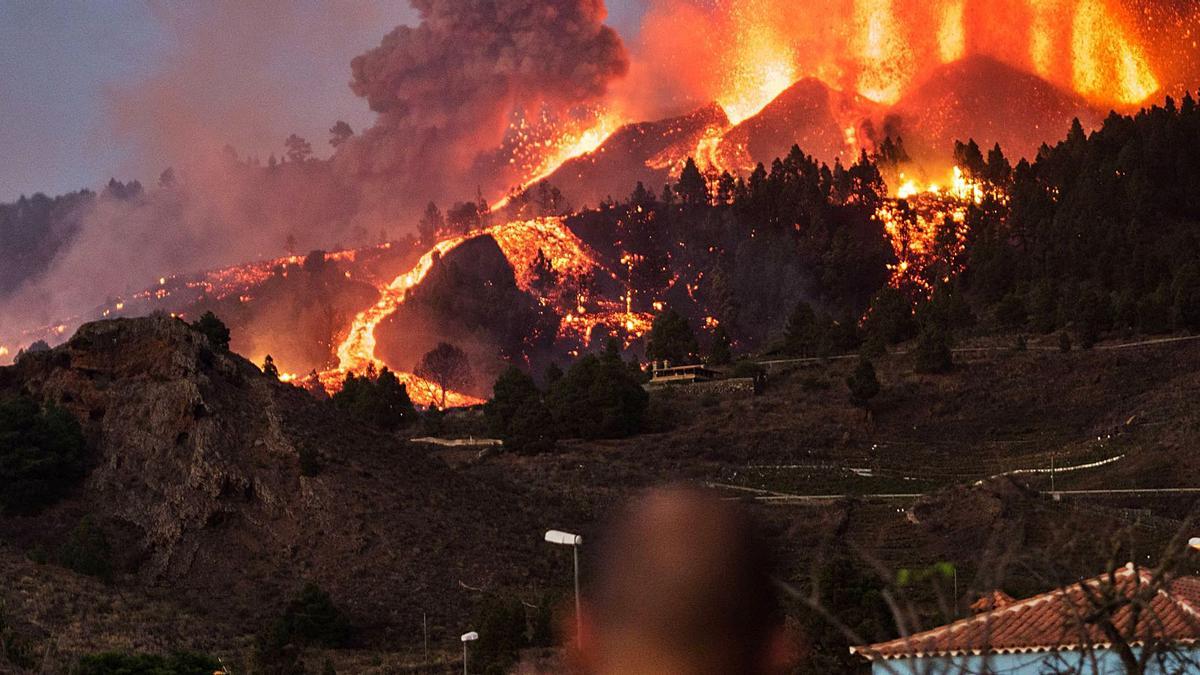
x: 518, y: 414
x: 381, y: 401
x: 446, y: 366
x: 269, y: 368
x: 863, y: 384
x: 1099, y: 231
x: 671, y: 339
x: 932, y: 353
x: 599, y: 397
x: 87, y: 550
x: 720, y: 352
x: 42, y: 455
x: 123, y: 663
x: 502, y: 634
x: 213, y: 329
x: 309, y: 619
x: 796, y: 230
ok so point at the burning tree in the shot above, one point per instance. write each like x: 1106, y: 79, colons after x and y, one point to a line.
x: 447, y: 366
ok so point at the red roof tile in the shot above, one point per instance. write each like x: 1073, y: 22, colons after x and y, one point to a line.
x: 1060, y: 619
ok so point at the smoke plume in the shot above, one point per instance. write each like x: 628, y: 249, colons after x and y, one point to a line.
x: 447, y: 89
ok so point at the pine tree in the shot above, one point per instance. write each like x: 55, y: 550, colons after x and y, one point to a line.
x: 269, y: 369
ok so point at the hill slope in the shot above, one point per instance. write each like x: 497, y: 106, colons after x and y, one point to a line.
x: 197, y: 474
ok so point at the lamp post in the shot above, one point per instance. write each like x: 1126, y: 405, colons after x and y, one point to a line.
x: 1194, y: 543
x: 574, y: 541
x: 467, y: 637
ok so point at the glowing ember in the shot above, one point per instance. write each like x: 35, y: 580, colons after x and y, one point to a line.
x: 1107, y: 65
x: 886, y: 59
x: 548, y: 155
x: 925, y: 226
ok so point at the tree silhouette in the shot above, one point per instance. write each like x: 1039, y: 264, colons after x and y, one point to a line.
x: 298, y: 149
x: 340, y: 133
x: 671, y: 339
x: 446, y: 366
x: 214, y: 329
x: 269, y: 369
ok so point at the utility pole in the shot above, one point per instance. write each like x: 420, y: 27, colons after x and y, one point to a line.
x: 1052, y: 471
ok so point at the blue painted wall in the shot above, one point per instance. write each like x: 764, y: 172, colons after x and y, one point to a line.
x: 1099, y: 662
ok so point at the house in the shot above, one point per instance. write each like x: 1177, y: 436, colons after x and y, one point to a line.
x: 664, y: 373
x: 1067, y: 630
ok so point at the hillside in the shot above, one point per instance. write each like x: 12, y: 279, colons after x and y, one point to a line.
x: 981, y: 98
x: 197, y: 480
x: 196, y: 477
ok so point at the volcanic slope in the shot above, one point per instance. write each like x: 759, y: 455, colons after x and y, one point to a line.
x: 984, y: 99
x: 197, y: 477
x: 808, y: 114
x: 649, y: 152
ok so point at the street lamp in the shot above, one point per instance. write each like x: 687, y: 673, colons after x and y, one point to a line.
x: 1194, y: 543
x: 467, y: 637
x: 574, y: 541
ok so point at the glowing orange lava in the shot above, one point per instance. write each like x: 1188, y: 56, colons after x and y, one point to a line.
x: 923, y: 217
x: 1107, y: 64
x: 520, y: 242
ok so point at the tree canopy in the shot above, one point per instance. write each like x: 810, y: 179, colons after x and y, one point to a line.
x: 42, y: 455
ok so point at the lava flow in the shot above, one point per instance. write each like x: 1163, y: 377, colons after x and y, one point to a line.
x: 925, y: 224
x: 520, y: 241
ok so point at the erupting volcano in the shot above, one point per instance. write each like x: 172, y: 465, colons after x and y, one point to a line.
x: 734, y: 84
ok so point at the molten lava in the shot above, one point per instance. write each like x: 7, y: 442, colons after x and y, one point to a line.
x: 520, y: 241
x: 925, y: 224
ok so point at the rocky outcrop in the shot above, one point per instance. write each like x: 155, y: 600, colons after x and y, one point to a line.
x: 196, y: 458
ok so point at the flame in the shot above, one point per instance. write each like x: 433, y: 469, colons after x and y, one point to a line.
x: 563, y: 145
x: 885, y: 56
x: 952, y: 34
x: 743, y: 53
x: 763, y: 63
x: 1106, y: 64
x: 914, y: 228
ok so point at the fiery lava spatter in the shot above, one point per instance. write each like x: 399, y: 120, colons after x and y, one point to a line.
x: 925, y: 223
x: 520, y: 242
x: 1106, y: 63
x: 764, y: 64
x: 567, y: 142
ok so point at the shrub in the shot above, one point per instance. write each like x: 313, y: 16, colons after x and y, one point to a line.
x: 87, y: 550
x: 518, y: 415
x: 121, y: 663
x: 1011, y: 312
x: 214, y: 329
x: 599, y: 397
x: 933, y: 353
x: 1064, y: 342
x: 863, y: 384
x: 381, y: 401
x: 310, y: 619
x: 41, y: 455
x: 502, y: 634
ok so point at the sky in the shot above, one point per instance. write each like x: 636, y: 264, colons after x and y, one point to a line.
x: 73, y: 73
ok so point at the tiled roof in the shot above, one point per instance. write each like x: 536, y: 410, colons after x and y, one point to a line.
x: 1167, y: 612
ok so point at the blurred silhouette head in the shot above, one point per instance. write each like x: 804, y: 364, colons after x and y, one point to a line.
x: 681, y: 584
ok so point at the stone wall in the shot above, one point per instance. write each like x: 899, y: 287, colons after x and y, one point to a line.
x: 731, y: 387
